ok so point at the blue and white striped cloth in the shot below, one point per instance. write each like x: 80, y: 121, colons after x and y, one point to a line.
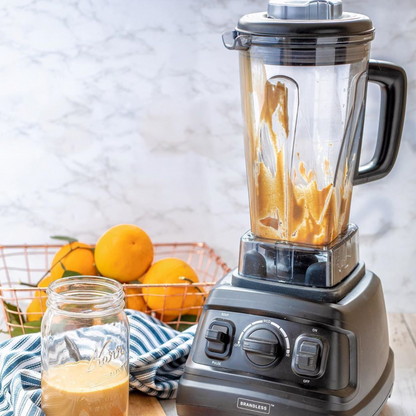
x: 157, y: 358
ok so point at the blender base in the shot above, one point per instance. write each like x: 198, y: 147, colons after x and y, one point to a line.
x: 356, y: 365
x: 220, y: 393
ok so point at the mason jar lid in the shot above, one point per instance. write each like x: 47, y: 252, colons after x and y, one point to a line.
x: 305, y: 18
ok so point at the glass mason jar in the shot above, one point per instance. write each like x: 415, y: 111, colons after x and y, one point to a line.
x: 85, y: 348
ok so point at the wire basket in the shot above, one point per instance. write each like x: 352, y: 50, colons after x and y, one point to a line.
x: 27, y: 264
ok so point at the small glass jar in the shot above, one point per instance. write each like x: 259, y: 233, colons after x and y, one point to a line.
x: 85, y: 348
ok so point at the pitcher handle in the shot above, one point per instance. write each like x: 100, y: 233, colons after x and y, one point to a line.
x: 393, y: 83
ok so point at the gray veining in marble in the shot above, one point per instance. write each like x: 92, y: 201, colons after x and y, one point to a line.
x: 118, y: 111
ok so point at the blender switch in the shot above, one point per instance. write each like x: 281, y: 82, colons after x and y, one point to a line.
x: 217, y: 337
x: 307, y: 356
x: 306, y: 362
x: 309, y: 347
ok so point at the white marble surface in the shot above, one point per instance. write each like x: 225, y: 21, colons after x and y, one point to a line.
x: 118, y: 111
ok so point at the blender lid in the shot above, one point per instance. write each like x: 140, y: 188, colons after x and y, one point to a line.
x: 305, y: 18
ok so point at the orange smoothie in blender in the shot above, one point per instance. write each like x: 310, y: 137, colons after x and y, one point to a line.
x: 73, y: 389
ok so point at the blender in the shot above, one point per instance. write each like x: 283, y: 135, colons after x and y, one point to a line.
x: 300, y: 327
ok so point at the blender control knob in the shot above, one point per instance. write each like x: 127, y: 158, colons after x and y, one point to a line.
x: 262, y: 347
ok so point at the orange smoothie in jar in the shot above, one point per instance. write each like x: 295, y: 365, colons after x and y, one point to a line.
x: 74, y: 389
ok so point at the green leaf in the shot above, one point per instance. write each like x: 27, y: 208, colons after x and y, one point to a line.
x: 64, y: 238
x: 30, y: 328
x: 13, y: 317
x: 69, y: 273
x: 183, y: 327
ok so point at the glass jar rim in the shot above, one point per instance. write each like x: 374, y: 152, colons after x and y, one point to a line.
x: 96, y: 294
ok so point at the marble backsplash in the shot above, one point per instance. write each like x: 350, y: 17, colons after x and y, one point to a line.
x: 116, y: 111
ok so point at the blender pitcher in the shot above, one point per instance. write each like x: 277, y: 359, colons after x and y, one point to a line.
x: 304, y: 68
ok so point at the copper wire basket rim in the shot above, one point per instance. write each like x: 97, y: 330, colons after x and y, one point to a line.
x: 125, y: 285
x: 210, y: 266
x: 45, y: 245
x: 181, y: 244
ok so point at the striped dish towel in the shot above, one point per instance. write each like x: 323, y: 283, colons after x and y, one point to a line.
x: 157, y: 358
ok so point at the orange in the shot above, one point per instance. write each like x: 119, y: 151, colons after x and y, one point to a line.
x: 37, y: 307
x: 124, y: 252
x: 171, y: 300
x: 75, y: 257
x: 199, y: 304
x: 46, y: 281
x: 135, y: 302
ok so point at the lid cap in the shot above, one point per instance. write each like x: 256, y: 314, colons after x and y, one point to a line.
x: 305, y: 9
